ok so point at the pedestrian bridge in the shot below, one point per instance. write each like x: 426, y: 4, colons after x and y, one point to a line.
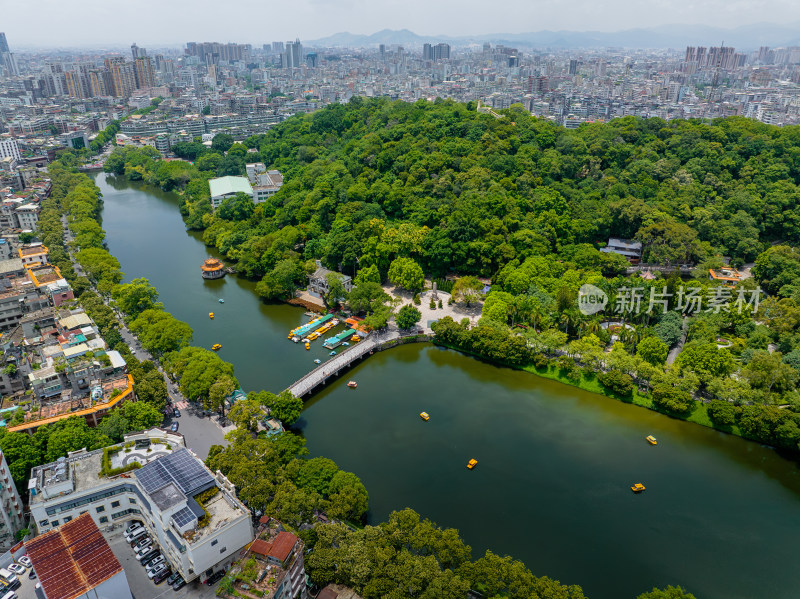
x: 341, y: 361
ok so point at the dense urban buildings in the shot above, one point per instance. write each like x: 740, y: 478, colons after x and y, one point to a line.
x: 48, y: 102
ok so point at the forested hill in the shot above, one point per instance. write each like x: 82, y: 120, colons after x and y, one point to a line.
x: 462, y: 191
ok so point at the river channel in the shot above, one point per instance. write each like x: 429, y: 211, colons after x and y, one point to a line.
x: 720, y: 516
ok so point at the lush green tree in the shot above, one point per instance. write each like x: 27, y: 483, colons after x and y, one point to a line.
x: 618, y: 383
x: 408, y: 316
x: 218, y: 392
x: 316, y: 474
x: 722, y: 412
x: 406, y: 273
x: 198, y: 369
x: 99, y: 264
x: 467, y: 289
x: 222, y: 142
x: 369, y: 274
x: 706, y: 360
x: 137, y: 296
x: 777, y: 270
x: 652, y: 350
x: 367, y: 297
x: 284, y: 406
x: 669, y: 593
x: 336, y: 291
x: 767, y: 371
x: 21, y: 454
x: 159, y: 332
x: 668, y: 328
x: 347, y: 496
x: 246, y: 413
x: 68, y: 435
x: 672, y: 399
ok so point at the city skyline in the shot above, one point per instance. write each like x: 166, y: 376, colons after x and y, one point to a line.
x: 93, y: 23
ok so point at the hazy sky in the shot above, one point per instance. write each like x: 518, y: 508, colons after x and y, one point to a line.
x: 150, y: 22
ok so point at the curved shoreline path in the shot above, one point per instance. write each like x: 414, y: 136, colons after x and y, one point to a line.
x: 720, y: 515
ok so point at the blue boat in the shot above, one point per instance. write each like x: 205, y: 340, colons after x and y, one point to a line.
x: 221, y: 301
x: 317, y: 361
x: 333, y: 353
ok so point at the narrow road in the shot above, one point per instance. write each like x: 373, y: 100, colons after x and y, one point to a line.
x: 673, y: 353
x: 199, y: 432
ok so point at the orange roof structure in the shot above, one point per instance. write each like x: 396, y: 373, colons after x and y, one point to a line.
x: 726, y: 275
x: 98, y: 407
x: 212, y: 264
x: 72, y: 559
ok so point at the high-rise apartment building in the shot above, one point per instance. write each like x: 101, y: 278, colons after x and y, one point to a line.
x: 75, y: 86
x: 293, y: 54
x: 121, y: 76
x: 137, y: 52
x: 573, y: 67
x: 145, y: 76
x: 437, y: 52
x: 7, y: 60
x: 277, y: 47
x: 98, y: 84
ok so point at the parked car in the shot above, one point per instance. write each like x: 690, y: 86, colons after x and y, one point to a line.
x: 17, y: 569
x: 145, y: 559
x: 158, y: 570
x: 25, y: 561
x: 144, y: 550
x: 132, y: 525
x: 174, y: 427
x: 176, y: 413
x: 178, y: 584
x: 159, y: 578
x: 136, y: 533
x: 215, y: 577
x: 145, y: 542
x: 155, y: 563
x: 32, y: 574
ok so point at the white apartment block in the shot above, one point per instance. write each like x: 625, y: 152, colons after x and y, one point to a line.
x: 10, y: 507
x: 265, y: 183
x: 10, y: 149
x: 163, y: 494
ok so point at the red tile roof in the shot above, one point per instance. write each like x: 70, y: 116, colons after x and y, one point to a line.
x: 261, y: 547
x: 72, y: 559
x: 282, y: 546
x: 279, y: 548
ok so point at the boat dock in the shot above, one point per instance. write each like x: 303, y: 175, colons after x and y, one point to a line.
x: 301, y: 331
x: 331, y: 368
x: 336, y: 341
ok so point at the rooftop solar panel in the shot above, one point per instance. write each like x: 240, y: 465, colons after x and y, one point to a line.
x: 180, y: 467
x: 184, y: 517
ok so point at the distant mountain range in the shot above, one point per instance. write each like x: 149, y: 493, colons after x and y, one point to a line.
x: 746, y: 37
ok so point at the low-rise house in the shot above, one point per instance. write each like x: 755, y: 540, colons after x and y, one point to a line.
x: 265, y: 183
x: 632, y: 250
x: 318, y: 281
x: 33, y: 254
x: 224, y: 188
